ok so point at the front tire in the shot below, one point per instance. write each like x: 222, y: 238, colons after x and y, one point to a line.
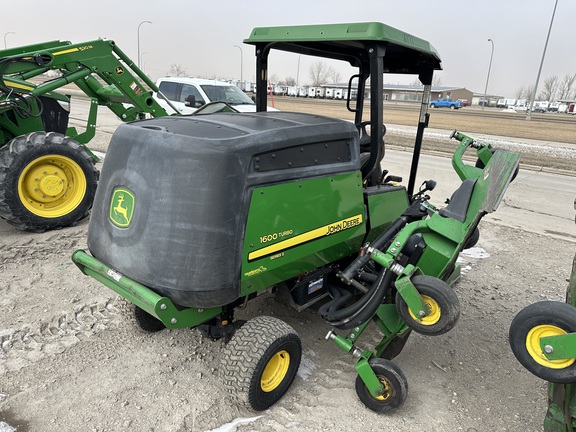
x: 47, y: 181
x: 395, y: 386
x: 260, y: 362
x: 442, y: 302
x: 543, y: 319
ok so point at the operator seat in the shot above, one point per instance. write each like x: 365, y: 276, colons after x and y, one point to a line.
x: 373, y: 178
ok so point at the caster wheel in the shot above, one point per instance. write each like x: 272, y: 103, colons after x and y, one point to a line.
x: 543, y: 319
x: 442, y: 302
x: 395, y: 387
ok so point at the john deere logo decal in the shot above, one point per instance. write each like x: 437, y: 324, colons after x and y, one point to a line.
x: 119, y: 70
x: 122, y: 207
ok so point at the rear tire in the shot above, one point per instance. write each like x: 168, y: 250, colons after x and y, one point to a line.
x: 47, y: 181
x: 138, y: 318
x: 260, y: 362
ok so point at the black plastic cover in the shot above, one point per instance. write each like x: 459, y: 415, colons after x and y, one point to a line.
x: 191, y: 178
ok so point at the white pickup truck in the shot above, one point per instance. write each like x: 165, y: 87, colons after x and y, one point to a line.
x: 189, y: 94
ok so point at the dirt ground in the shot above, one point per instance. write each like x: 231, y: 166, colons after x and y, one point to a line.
x: 69, y: 362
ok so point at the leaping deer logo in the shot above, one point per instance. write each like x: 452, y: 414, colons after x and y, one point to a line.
x: 121, y: 208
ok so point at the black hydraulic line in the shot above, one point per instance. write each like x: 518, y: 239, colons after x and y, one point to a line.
x: 342, y: 314
x: 365, y: 309
x: 339, y: 298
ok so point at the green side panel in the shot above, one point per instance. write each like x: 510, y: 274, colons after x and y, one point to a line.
x: 439, y: 252
x: 385, y: 205
x: 296, y: 227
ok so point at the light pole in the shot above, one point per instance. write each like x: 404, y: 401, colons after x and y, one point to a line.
x: 241, y: 55
x: 149, y: 22
x: 298, y: 71
x: 488, y: 77
x: 141, y: 62
x: 6, y: 34
x: 529, y: 112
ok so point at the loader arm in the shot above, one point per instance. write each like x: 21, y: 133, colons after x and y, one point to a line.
x: 99, y: 68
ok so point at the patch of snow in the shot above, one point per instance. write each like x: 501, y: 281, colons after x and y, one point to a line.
x: 307, y: 365
x: 475, y: 252
x: 232, y: 426
x: 5, y: 427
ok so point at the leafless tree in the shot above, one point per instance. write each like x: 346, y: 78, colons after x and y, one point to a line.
x: 290, y: 81
x: 334, y: 75
x: 274, y: 79
x: 566, y: 88
x: 550, y: 89
x: 177, y: 70
x: 529, y: 93
x: 436, y: 81
x: 519, y: 93
x: 319, y: 73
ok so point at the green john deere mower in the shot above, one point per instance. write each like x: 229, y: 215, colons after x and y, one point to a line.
x: 196, y: 215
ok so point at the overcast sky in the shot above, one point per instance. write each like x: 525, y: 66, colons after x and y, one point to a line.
x: 200, y: 35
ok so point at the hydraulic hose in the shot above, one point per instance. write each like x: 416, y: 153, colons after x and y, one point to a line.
x: 363, y: 309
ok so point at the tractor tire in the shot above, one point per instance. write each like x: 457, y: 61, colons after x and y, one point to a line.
x: 137, y: 317
x: 395, y: 386
x: 47, y: 181
x: 260, y: 362
x: 441, y: 300
x: 473, y: 239
x: 543, y: 319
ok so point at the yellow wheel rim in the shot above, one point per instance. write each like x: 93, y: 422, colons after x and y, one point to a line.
x: 51, y: 186
x: 387, y: 389
x: 433, y: 317
x: 275, y: 371
x: 533, y: 346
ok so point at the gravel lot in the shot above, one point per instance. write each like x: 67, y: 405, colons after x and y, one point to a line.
x: 69, y: 362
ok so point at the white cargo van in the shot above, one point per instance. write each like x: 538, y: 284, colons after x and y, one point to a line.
x: 189, y: 94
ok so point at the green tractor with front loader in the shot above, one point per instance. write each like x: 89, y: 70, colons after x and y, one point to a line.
x: 47, y: 175
x: 197, y: 215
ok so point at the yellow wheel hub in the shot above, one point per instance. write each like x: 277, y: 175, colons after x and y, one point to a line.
x: 533, y: 346
x: 387, y: 389
x: 433, y: 317
x: 51, y: 186
x: 275, y: 371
